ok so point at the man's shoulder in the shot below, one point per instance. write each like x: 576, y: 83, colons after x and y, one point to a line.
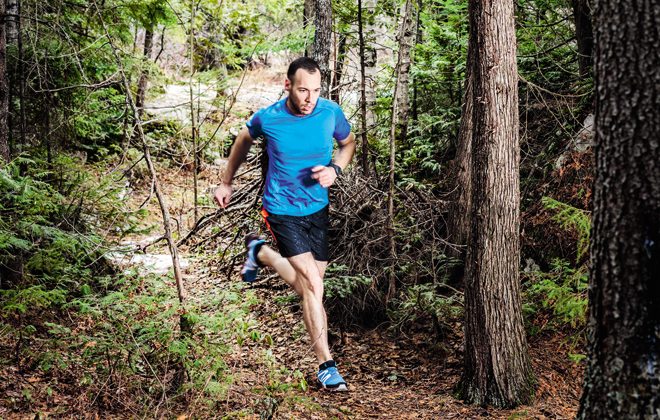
x: 273, y: 109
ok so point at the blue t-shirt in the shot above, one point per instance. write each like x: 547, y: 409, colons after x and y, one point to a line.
x: 295, y: 144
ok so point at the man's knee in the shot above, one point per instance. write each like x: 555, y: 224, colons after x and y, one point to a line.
x: 311, y: 283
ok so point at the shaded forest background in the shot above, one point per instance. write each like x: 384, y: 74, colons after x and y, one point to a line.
x: 85, y: 82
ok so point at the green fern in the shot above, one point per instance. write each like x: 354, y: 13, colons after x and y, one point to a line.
x: 564, y: 291
x: 570, y: 217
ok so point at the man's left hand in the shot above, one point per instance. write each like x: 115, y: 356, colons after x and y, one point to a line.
x: 325, y: 175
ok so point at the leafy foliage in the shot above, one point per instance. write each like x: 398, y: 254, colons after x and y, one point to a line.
x: 563, y: 289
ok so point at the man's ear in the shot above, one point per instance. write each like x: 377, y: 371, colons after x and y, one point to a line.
x: 287, y: 84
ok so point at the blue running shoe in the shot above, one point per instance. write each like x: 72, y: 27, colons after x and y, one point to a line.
x: 251, y: 267
x: 330, y: 379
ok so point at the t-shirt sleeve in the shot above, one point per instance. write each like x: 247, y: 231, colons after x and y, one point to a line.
x: 254, y: 125
x: 342, y: 126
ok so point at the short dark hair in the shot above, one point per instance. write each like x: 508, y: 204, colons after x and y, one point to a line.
x: 305, y: 63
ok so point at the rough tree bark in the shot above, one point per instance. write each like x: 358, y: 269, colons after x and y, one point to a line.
x: 4, y: 91
x: 584, y: 36
x: 623, y: 373
x: 497, y: 368
x: 320, y: 50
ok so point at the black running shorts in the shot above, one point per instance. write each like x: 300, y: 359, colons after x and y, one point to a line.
x: 295, y: 235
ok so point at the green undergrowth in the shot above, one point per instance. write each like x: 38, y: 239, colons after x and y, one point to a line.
x: 556, y: 299
x: 121, y: 346
x: 92, y: 339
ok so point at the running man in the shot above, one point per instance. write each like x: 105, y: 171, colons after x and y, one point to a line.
x: 299, y: 130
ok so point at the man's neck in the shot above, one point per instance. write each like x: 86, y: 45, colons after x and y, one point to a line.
x: 292, y: 108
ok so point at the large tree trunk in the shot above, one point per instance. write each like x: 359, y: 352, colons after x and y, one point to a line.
x: 144, y: 75
x: 4, y: 92
x: 623, y: 374
x: 583, y: 35
x: 320, y: 50
x: 497, y: 369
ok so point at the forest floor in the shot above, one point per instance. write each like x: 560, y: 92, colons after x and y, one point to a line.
x: 390, y: 374
x: 398, y: 375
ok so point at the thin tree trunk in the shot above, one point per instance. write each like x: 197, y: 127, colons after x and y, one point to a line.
x: 339, y: 68
x: 398, y: 126
x: 322, y: 41
x: 11, y: 21
x: 418, y: 40
x: 4, y: 93
x: 308, y: 19
x: 144, y: 75
x: 167, y: 225
x: 407, y: 37
x: 370, y: 60
x: 622, y: 380
x: 497, y: 368
x: 192, y: 109
x: 363, y: 96
x: 584, y: 36
x: 21, y: 78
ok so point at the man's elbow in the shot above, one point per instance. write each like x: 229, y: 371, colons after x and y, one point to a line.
x: 244, y: 137
x: 349, y: 141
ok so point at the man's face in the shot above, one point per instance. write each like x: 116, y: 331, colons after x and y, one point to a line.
x: 304, y: 91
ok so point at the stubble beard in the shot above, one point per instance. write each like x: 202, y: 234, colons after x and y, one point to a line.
x: 293, y: 107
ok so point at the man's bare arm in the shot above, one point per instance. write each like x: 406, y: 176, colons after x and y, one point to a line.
x: 345, y: 153
x: 237, y: 156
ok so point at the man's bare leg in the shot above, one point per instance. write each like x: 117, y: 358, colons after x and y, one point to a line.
x: 305, y: 276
